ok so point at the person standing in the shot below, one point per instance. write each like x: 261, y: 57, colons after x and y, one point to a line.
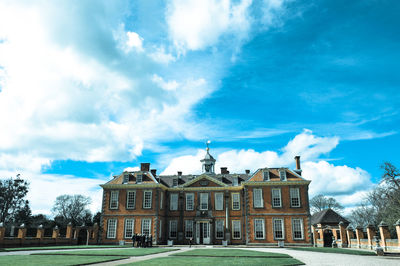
x: 133, y: 240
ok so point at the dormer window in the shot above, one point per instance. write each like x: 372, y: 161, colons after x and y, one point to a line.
x: 126, y: 178
x: 139, y: 178
x: 235, y: 181
x: 175, y: 182
x: 282, y: 174
x: 266, y: 175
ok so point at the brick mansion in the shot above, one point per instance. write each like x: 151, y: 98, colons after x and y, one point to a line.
x: 269, y: 206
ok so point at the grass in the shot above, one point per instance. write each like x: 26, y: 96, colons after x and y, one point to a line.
x: 230, y: 253
x: 63, y: 247
x: 131, y: 252
x: 43, y: 260
x: 220, y: 261
x: 337, y: 250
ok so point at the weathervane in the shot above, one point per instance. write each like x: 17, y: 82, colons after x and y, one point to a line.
x: 208, y: 142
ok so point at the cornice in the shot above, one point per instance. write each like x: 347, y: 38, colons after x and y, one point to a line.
x: 276, y: 183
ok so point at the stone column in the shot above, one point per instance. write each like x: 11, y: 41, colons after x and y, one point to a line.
x: 56, y: 232
x: 315, y: 235
x: 40, y: 232
x: 371, y: 233
x: 385, y: 234
x: 69, y: 231
x: 359, y: 235
x: 350, y: 235
x: 2, y: 232
x: 397, y: 224
x: 343, y: 235
x: 22, y: 232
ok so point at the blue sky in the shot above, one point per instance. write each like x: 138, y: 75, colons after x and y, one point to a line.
x: 90, y: 88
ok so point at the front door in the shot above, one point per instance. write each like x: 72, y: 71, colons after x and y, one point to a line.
x: 203, y: 233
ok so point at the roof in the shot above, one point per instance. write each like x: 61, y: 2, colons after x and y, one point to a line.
x: 328, y: 216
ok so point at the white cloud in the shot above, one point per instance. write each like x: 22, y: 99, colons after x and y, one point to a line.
x: 134, y: 41
x: 347, y: 184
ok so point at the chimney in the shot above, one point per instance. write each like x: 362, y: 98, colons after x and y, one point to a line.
x: 247, y: 171
x: 224, y: 170
x: 145, y: 167
x: 154, y: 172
x: 298, y: 168
x: 179, y: 174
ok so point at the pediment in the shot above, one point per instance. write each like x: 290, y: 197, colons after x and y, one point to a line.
x: 204, y: 181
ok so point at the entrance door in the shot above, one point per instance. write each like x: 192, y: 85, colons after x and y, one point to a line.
x: 202, y: 233
x: 328, y: 238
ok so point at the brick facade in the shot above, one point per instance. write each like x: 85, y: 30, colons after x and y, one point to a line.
x: 246, y: 208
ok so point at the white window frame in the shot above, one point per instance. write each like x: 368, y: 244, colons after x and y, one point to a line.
x: 203, y: 201
x: 161, y: 200
x: 146, y: 222
x: 282, y: 175
x: 129, y: 228
x: 295, y: 194
x: 131, y: 202
x: 174, y: 182
x: 273, y: 201
x: 258, y: 200
x: 189, y: 201
x: 125, y: 178
x: 219, y: 201
x: 275, y: 223
x: 235, y: 181
x: 236, y: 225
x: 139, y: 180
x: 300, y: 221
x: 221, y: 224
x: 147, y: 204
x: 189, y: 225
x: 160, y: 230
x: 259, y: 224
x: 235, y: 201
x: 112, y: 228
x: 173, y: 225
x: 173, y: 202
x: 114, y: 198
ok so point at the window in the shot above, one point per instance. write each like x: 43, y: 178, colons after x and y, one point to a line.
x: 278, y: 228
x: 188, y: 228
x: 173, y: 228
x: 235, y: 181
x: 111, y: 228
x: 129, y: 225
x: 259, y: 229
x: 139, y: 178
x: 189, y: 201
x: 219, y: 230
x: 236, y: 229
x: 297, y: 227
x: 266, y: 175
x: 160, y: 231
x: 161, y: 200
x: 276, y: 197
x: 147, y: 195
x: 130, y: 199
x: 258, y: 198
x: 282, y: 174
x: 173, y: 202
x: 235, y: 201
x: 219, y: 201
x: 126, y: 178
x: 203, y: 201
x: 114, y: 199
x: 175, y: 182
x: 295, y: 197
x: 146, y: 226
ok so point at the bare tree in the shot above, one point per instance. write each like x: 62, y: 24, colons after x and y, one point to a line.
x: 321, y: 202
x: 72, y: 208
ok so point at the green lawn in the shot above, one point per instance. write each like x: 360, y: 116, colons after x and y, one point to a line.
x: 338, y: 250
x: 222, y: 252
x: 112, y: 252
x: 64, y: 247
x: 220, y: 261
x: 25, y: 260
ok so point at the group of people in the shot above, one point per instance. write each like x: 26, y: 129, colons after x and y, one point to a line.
x: 142, y: 240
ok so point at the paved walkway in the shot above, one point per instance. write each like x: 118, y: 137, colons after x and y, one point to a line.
x: 308, y: 257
